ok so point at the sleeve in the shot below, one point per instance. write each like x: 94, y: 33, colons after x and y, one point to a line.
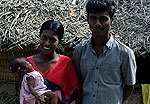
x: 129, y: 68
x: 25, y: 84
x: 70, y: 91
x: 76, y: 61
x: 30, y: 75
x: 74, y: 83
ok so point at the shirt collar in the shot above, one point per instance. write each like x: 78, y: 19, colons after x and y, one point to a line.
x: 109, y: 44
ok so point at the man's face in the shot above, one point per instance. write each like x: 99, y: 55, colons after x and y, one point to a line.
x: 99, y: 23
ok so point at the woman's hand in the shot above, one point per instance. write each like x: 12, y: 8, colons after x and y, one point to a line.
x: 51, y: 97
x: 38, y: 97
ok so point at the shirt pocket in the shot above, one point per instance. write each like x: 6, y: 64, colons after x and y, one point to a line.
x: 111, y: 73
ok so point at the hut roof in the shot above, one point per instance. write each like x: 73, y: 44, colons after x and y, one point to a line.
x: 20, y: 21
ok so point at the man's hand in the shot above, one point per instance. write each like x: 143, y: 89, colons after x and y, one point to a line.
x: 127, y: 90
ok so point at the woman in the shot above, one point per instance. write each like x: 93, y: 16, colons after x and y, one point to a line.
x: 58, y: 70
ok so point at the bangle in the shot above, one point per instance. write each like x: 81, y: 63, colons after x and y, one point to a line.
x: 36, y: 95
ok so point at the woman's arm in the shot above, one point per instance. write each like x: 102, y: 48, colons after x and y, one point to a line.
x: 72, y: 79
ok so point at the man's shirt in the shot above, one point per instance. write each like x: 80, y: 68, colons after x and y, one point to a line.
x: 103, y: 76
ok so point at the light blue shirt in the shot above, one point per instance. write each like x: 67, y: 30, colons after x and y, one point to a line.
x: 103, y: 76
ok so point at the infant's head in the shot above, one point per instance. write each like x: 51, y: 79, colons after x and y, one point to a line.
x: 20, y: 66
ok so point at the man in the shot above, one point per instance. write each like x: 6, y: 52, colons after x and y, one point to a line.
x: 106, y: 67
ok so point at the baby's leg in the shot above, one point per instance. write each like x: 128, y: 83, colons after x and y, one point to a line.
x: 51, y: 97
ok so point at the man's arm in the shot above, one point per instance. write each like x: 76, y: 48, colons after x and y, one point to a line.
x: 129, y: 73
x: 127, y: 90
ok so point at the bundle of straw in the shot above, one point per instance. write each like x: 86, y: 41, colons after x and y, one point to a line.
x: 20, y: 21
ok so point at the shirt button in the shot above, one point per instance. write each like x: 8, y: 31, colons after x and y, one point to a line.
x: 96, y: 67
x: 93, y: 95
x: 95, y: 81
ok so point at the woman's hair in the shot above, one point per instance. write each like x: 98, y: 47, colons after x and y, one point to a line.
x: 54, y: 26
x: 16, y: 63
x: 97, y: 6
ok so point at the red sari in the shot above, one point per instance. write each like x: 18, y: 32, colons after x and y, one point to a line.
x: 63, y: 76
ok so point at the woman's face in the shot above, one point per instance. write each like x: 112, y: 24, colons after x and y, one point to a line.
x: 48, y: 42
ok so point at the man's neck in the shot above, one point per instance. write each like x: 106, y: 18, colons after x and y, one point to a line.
x: 98, y: 44
x: 100, y: 41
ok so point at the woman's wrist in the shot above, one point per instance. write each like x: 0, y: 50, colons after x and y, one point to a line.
x: 35, y: 95
x: 54, y: 94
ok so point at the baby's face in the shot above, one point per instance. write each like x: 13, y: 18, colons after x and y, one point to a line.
x: 21, y: 71
x: 28, y: 66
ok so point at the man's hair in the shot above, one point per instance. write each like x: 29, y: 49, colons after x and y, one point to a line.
x: 54, y: 26
x: 97, y: 6
x: 16, y: 63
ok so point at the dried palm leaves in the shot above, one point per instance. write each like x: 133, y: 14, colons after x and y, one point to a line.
x: 20, y: 21
x: 132, y: 23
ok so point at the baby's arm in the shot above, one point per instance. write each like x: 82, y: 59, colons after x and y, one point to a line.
x: 31, y: 83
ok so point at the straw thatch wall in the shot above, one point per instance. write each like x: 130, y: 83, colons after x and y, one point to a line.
x: 9, y: 87
x: 20, y: 21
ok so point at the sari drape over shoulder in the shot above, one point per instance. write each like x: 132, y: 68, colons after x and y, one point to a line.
x: 63, y: 79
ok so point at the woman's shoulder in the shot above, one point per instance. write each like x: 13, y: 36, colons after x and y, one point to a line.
x: 30, y: 58
x: 65, y: 62
x: 65, y: 58
x: 33, y: 58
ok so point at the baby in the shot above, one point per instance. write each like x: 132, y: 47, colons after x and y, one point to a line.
x: 32, y: 87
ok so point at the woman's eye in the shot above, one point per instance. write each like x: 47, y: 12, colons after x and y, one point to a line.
x: 44, y: 38
x: 53, y: 40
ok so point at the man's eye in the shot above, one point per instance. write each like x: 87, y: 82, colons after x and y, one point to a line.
x: 104, y: 18
x: 92, y: 18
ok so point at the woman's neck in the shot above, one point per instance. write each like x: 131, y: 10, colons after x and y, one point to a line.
x: 47, y: 57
